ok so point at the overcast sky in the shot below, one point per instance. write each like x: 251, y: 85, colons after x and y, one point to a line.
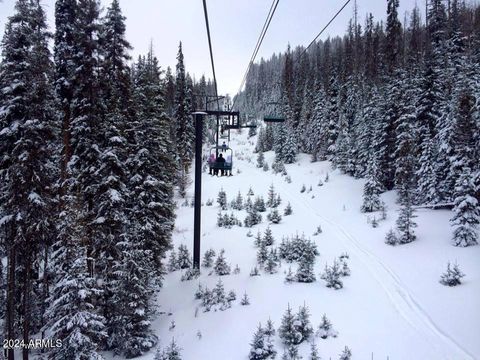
x: 234, y: 25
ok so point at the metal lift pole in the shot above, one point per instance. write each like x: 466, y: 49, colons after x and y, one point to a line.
x: 198, y: 188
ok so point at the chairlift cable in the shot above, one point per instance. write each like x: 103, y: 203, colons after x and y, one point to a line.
x: 266, y: 24
x: 325, y: 27
x: 211, y: 52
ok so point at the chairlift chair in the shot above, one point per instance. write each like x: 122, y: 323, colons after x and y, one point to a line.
x: 224, y: 167
x: 274, y: 115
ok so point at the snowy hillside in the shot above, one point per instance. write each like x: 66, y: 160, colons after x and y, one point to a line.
x: 391, y: 305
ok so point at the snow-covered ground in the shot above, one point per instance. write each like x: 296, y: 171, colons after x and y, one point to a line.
x: 392, y: 304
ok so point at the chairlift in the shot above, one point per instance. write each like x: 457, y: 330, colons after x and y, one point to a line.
x: 225, y: 167
x: 274, y: 114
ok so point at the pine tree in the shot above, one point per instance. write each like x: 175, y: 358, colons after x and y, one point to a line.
x: 274, y: 216
x: 221, y: 267
x: 466, y: 212
x: 302, y: 323
x: 222, y: 199
x: 262, y: 346
x: 288, y: 210
x: 172, y: 261
x: 332, y: 276
x: 260, y: 159
x: 171, y: 352
x: 453, y: 276
x: 268, y: 238
x: 405, y: 222
x: 27, y: 164
x: 288, y: 332
x: 184, y: 125
x: 262, y: 254
x: 372, y: 188
x: 346, y: 354
x: 314, y: 352
x: 208, y: 258
x: 184, y: 260
x: 325, y: 329
x: 271, y: 198
x: 271, y: 262
x: 259, y: 204
x: 305, y: 272
x: 245, y: 300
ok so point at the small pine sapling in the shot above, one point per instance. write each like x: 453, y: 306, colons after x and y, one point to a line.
x: 274, y: 217
x: 172, y: 261
x: 254, y: 272
x: 288, y: 332
x: 184, y: 259
x: 302, y: 323
x: 268, y: 238
x: 332, y: 276
x: 171, y: 352
x: 265, y: 166
x: 262, y: 254
x: 344, y: 256
x: 172, y: 325
x: 391, y: 238
x: 245, y: 300
x: 453, y: 276
x: 231, y: 297
x: 290, y: 277
x: 318, y: 230
x: 250, y: 192
x: 271, y: 263
x: 249, y: 233
x: 288, y: 210
x: 236, y: 271
x: 208, y: 258
x: 345, y: 271
x: 221, y: 267
x: 346, y: 354
x: 303, y: 189
x: 190, y: 274
x: 222, y: 199
x: 270, y: 329
x: 314, y: 352
x: 288, y: 179
x: 199, y: 292
x: 374, y: 222
x: 325, y: 329
x: 320, y: 182
x: 209, y: 202
x: 258, y: 239
x: 327, y: 178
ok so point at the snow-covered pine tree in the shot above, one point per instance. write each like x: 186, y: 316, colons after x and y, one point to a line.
x: 325, y: 329
x: 271, y: 197
x: 262, y: 254
x: 391, y: 238
x: 222, y: 199
x: 28, y: 166
x: 314, y: 352
x: 245, y: 300
x: 259, y: 204
x: 184, y: 126
x: 262, y: 347
x: 287, y: 331
x: 221, y: 267
x: 274, y: 216
x: 305, y: 272
x: 184, y: 260
x: 171, y: 352
x: 453, y: 275
x: 405, y: 222
x: 372, y: 188
x: 302, y: 323
x: 288, y: 210
x: 466, y: 211
x: 268, y: 238
x: 332, y: 276
x: 271, y: 263
x: 208, y: 258
x: 172, y: 261
x: 346, y: 354
x: 260, y: 159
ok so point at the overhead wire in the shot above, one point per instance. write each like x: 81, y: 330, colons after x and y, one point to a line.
x: 205, y: 11
x: 325, y: 27
x: 263, y: 32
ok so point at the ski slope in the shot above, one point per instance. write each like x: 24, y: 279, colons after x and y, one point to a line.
x: 391, y: 305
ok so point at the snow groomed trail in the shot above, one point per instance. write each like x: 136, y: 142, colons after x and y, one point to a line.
x: 378, y: 313
x: 404, y: 302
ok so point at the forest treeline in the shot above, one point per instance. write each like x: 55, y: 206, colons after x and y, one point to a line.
x: 398, y: 104
x: 92, y: 146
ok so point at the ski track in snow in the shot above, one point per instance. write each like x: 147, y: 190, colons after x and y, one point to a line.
x: 403, y: 301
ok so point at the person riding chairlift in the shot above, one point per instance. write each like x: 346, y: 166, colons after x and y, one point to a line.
x: 220, y: 160
x: 228, y: 162
x: 224, y: 147
x: 211, y: 161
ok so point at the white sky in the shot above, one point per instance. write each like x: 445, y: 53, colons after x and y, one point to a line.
x: 234, y: 25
